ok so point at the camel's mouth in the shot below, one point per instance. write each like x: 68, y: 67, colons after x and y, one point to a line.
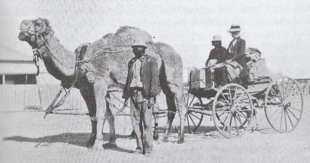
x: 23, y: 35
x: 26, y: 36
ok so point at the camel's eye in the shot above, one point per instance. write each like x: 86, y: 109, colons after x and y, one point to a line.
x: 38, y: 24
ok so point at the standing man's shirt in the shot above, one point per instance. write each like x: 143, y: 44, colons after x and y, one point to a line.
x: 136, y: 80
x: 149, y: 77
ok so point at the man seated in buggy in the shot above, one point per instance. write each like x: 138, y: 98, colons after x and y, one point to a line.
x: 217, y: 55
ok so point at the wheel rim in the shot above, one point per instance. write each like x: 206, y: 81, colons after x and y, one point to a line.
x: 193, y: 119
x: 284, y: 105
x: 232, y: 110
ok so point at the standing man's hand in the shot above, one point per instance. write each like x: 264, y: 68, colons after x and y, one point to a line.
x: 151, y: 102
x: 125, y: 103
x: 228, y: 61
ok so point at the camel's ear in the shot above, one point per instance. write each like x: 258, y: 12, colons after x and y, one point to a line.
x: 47, y: 23
x: 49, y: 30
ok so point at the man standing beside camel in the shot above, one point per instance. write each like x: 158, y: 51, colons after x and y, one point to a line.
x: 142, y: 87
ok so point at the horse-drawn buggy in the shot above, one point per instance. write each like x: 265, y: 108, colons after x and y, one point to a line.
x: 232, y: 107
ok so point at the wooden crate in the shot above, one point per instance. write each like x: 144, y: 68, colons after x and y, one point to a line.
x: 201, y: 78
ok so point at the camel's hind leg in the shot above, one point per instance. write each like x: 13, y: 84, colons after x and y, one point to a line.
x: 173, y: 89
x: 171, y: 113
x: 171, y: 81
x: 176, y: 103
x: 180, y: 104
x: 109, y: 116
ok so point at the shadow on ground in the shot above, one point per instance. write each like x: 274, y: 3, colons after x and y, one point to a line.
x: 78, y: 139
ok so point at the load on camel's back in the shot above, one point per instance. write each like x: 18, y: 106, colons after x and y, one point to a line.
x: 102, y: 64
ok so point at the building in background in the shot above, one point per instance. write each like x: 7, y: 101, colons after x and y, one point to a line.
x: 16, y: 68
x: 21, y: 89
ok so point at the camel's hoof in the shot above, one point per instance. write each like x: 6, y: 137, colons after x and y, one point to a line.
x: 109, y: 146
x: 90, y: 143
x: 155, y: 137
x: 181, y: 141
x: 165, y: 139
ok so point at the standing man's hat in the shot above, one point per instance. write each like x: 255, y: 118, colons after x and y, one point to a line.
x: 216, y: 38
x: 234, y: 28
x: 139, y: 44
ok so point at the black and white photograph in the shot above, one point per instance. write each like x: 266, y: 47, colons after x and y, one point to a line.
x: 92, y: 81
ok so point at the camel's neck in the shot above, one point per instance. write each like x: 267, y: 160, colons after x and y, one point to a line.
x: 58, y: 61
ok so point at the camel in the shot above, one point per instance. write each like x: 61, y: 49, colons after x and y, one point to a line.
x: 103, y: 65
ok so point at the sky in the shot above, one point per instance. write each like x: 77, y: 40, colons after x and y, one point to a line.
x: 280, y: 29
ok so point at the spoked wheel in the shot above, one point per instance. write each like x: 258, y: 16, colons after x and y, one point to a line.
x: 284, y: 105
x: 193, y: 119
x: 232, y: 110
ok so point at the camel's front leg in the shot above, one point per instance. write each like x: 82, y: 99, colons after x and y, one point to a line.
x: 88, y: 94
x: 100, y: 91
x: 109, y: 116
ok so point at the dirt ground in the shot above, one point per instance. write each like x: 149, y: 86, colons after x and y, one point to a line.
x: 27, y: 137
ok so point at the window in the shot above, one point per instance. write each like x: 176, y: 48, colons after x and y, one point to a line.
x: 20, y: 79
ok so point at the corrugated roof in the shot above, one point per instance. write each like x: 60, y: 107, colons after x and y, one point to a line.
x: 8, y: 54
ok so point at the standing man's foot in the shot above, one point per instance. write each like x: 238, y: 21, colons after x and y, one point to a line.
x: 138, y: 150
x: 155, y: 137
x: 148, y: 152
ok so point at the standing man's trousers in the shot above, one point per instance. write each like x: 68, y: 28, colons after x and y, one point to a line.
x: 141, y: 117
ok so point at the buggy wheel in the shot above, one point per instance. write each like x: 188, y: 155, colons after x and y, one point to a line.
x: 284, y: 105
x: 193, y: 119
x: 232, y: 110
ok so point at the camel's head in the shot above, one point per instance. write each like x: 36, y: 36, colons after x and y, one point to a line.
x: 35, y: 32
x: 27, y: 33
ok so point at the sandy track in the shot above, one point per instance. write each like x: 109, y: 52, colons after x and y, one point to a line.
x: 27, y: 137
